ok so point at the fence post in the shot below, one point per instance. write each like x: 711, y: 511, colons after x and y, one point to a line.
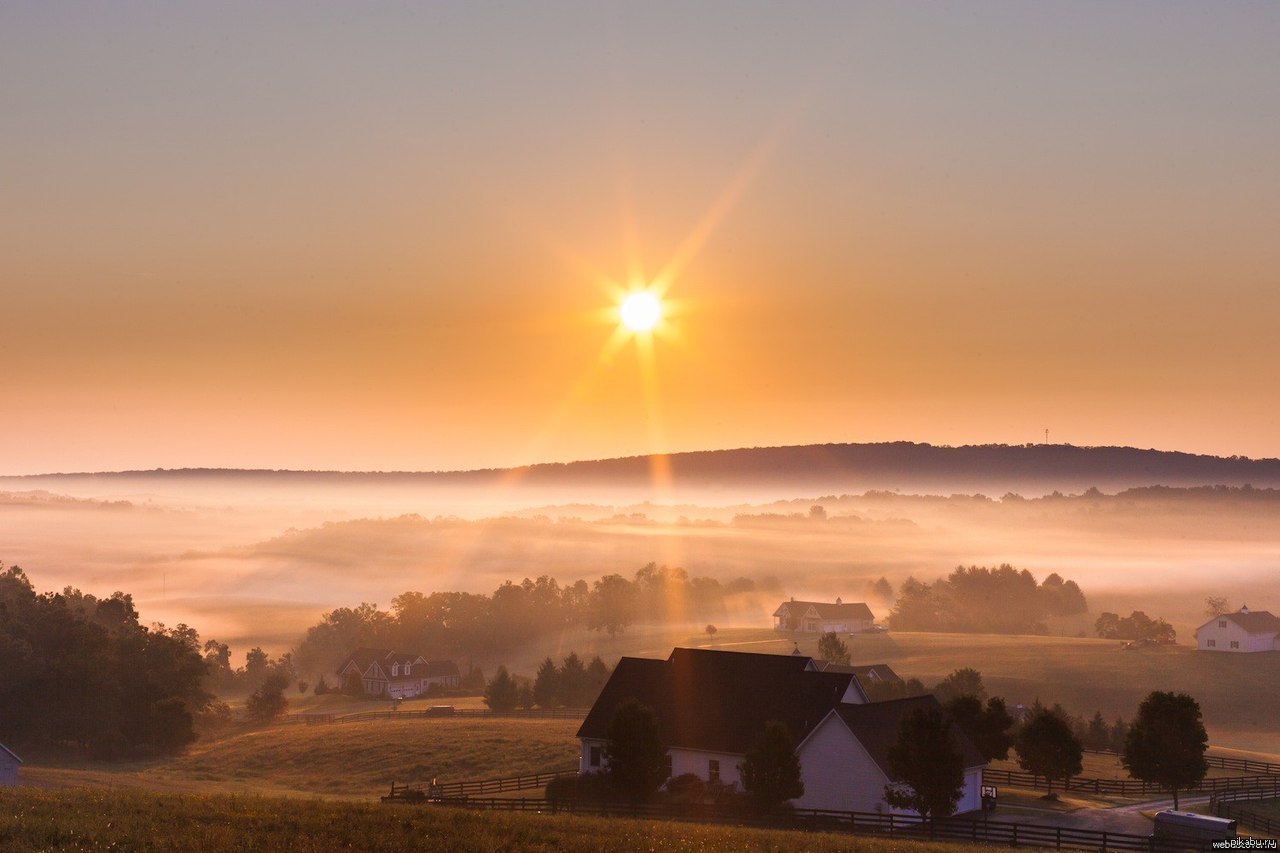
x: 1058, y: 836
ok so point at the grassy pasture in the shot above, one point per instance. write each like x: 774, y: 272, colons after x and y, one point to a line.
x: 340, y: 760
x: 39, y: 820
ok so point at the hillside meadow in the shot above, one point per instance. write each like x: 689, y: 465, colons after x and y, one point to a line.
x: 342, y: 760
x: 82, y: 819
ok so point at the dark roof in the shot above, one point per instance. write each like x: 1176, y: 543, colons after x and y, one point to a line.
x: 719, y: 701
x: 830, y: 610
x: 873, y: 673
x: 875, y: 725
x: 364, y: 657
x: 440, y: 668
x: 1255, y: 621
x: 12, y: 753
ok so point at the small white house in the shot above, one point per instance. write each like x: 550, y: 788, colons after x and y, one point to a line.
x: 9, y: 763
x: 1242, y: 631
x: 821, y: 617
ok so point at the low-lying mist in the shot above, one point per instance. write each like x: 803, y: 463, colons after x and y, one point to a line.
x: 258, y: 566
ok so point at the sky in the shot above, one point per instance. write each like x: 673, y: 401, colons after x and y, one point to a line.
x: 391, y: 236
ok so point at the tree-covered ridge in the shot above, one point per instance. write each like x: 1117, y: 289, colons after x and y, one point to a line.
x: 443, y: 624
x: 987, y: 601
x: 82, y: 671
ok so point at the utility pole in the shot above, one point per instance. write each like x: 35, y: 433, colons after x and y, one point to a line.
x: 1046, y: 435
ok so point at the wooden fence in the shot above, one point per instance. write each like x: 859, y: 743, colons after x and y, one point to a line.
x: 419, y: 792
x: 1119, y: 787
x: 1229, y: 804
x: 1224, y: 762
x: 976, y: 830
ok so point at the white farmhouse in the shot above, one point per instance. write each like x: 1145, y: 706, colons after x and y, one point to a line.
x: 8, y: 766
x: 712, y: 705
x: 1242, y: 631
x: 821, y: 617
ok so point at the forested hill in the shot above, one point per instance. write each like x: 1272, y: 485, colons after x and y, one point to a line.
x: 826, y: 468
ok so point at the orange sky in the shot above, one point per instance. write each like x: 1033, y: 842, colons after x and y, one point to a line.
x: 321, y: 237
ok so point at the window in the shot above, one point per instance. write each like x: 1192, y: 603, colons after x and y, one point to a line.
x: 1222, y: 623
x: 593, y: 759
x: 713, y: 770
x: 666, y: 764
x: 1235, y: 644
x: 395, y: 670
x: 407, y: 667
x: 1213, y: 644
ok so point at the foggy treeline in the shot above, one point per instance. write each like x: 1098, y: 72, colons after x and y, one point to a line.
x: 988, y: 601
x: 443, y: 624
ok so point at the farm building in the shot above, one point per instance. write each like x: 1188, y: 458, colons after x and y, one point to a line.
x: 1242, y: 631
x: 8, y: 766
x: 819, y: 617
x: 395, y: 675
x: 711, y: 706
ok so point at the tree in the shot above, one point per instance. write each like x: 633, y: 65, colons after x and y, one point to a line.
x: 711, y: 632
x: 502, y: 694
x: 963, y: 682
x: 634, y: 754
x: 1047, y: 747
x: 1215, y: 605
x: 926, y: 767
x: 321, y: 687
x: 1166, y: 742
x: 833, y: 649
x: 546, y: 685
x: 987, y: 728
x: 268, y: 702
x: 771, y: 769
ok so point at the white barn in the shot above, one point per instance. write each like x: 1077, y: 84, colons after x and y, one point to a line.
x: 9, y: 763
x: 1242, y: 631
x: 711, y: 705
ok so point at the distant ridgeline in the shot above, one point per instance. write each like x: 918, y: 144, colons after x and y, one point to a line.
x: 985, y: 601
x: 991, y: 468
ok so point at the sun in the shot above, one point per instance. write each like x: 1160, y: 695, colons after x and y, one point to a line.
x: 640, y: 311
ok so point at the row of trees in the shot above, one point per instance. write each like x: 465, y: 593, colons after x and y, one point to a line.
x: 570, y: 685
x: 981, y: 600
x: 448, y: 624
x: 82, y: 671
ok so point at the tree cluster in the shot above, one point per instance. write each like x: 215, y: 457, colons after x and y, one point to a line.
x: 980, y: 600
x: 83, y: 672
x: 1135, y: 626
x: 570, y: 685
x: 448, y: 624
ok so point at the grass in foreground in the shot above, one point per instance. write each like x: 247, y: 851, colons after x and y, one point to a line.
x: 36, y: 819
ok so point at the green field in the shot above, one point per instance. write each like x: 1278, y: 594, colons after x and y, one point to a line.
x: 1238, y: 693
x: 138, y: 821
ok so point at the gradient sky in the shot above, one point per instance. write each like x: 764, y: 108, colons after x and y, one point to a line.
x: 382, y: 236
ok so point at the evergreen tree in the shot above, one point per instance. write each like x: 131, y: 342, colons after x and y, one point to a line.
x: 502, y: 694
x: 987, y: 728
x: 546, y: 685
x: 832, y: 648
x: 268, y: 702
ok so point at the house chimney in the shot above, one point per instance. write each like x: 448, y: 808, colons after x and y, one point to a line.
x: 838, y: 600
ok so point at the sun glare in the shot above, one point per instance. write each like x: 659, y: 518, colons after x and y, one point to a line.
x: 640, y: 311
